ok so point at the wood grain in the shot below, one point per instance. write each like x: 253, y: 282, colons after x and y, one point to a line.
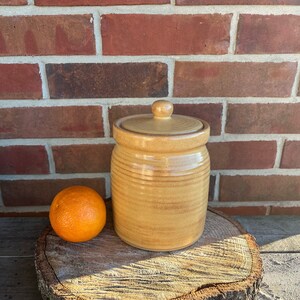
x: 281, y: 267
x: 282, y: 276
x: 18, y: 235
x: 225, y: 261
x: 18, y: 279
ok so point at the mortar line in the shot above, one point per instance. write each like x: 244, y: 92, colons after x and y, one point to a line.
x: 166, y: 9
x: 280, y: 145
x: 171, y: 71
x: 107, y: 186
x: 146, y: 101
x: 247, y: 138
x: 52, y: 168
x: 268, y: 210
x: 248, y: 172
x: 45, y: 208
x: 110, y: 140
x: 295, y: 86
x: 32, y: 208
x: 44, y: 79
x: 233, y: 32
x: 53, y: 176
x: 257, y: 172
x: 98, y: 101
x: 105, y: 120
x: 97, y: 32
x: 56, y: 142
x: 282, y: 203
x: 224, y: 119
x: 263, y: 100
x: 173, y: 2
x: 47, y: 59
x: 285, y: 203
x: 217, y: 188
x: 30, y: 2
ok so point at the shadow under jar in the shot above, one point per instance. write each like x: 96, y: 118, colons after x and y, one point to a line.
x: 160, y: 178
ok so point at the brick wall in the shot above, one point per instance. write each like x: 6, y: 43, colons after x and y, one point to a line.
x: 69, y: 68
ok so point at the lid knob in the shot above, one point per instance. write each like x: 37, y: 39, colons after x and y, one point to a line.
x: 162, y: 109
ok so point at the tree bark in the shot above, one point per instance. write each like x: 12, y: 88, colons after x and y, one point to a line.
x: 223, y: 264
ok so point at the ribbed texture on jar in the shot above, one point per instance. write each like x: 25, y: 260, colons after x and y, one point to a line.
x: 159, y: 199
x: 160, y: 143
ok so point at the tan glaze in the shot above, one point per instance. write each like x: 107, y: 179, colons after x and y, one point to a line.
x: 160, y: 180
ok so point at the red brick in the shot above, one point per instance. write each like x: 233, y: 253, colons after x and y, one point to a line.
x: 165, y: 34
x: 209, y: 112
x: 33, y: 213
x: 82, y: 158
x: 278, y: 210
x: 120, y: 111
x: 259, y: 188
x: 237, y: 2
x: 290, y: 155
x: 97, y: 2
x: 42, y: 192
x: 51, y: 122
x: 108, y: 80
x: 233, y: 79
x: 23, y: 160
x: 20, y: 81
x: 212, y: 182
x: 258, y: 34
x: 46, y: 35
x: 243, y: 210
x: 263, y: 118
x: 13, y: 2
x: 242, y: 155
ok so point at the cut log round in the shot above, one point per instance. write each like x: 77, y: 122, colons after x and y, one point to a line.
x: 223, y: 264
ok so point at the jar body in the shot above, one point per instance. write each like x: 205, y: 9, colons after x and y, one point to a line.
x: 159, y: 199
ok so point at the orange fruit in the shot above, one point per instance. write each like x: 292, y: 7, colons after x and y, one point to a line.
x: 77, y: 214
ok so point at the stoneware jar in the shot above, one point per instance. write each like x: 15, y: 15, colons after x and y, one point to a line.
x: 160, y: 177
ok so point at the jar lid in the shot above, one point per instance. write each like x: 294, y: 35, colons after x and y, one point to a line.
x: 161, y: 130
x: 162, y: 122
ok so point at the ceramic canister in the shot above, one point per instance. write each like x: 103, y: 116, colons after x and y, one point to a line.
x: 160, y: 178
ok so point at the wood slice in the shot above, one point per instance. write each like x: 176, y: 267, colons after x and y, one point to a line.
x: 223, y: 264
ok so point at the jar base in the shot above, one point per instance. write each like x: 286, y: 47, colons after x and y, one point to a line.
x: 160, y: 250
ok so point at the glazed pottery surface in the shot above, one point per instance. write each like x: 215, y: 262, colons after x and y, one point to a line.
x: 159, y: 178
